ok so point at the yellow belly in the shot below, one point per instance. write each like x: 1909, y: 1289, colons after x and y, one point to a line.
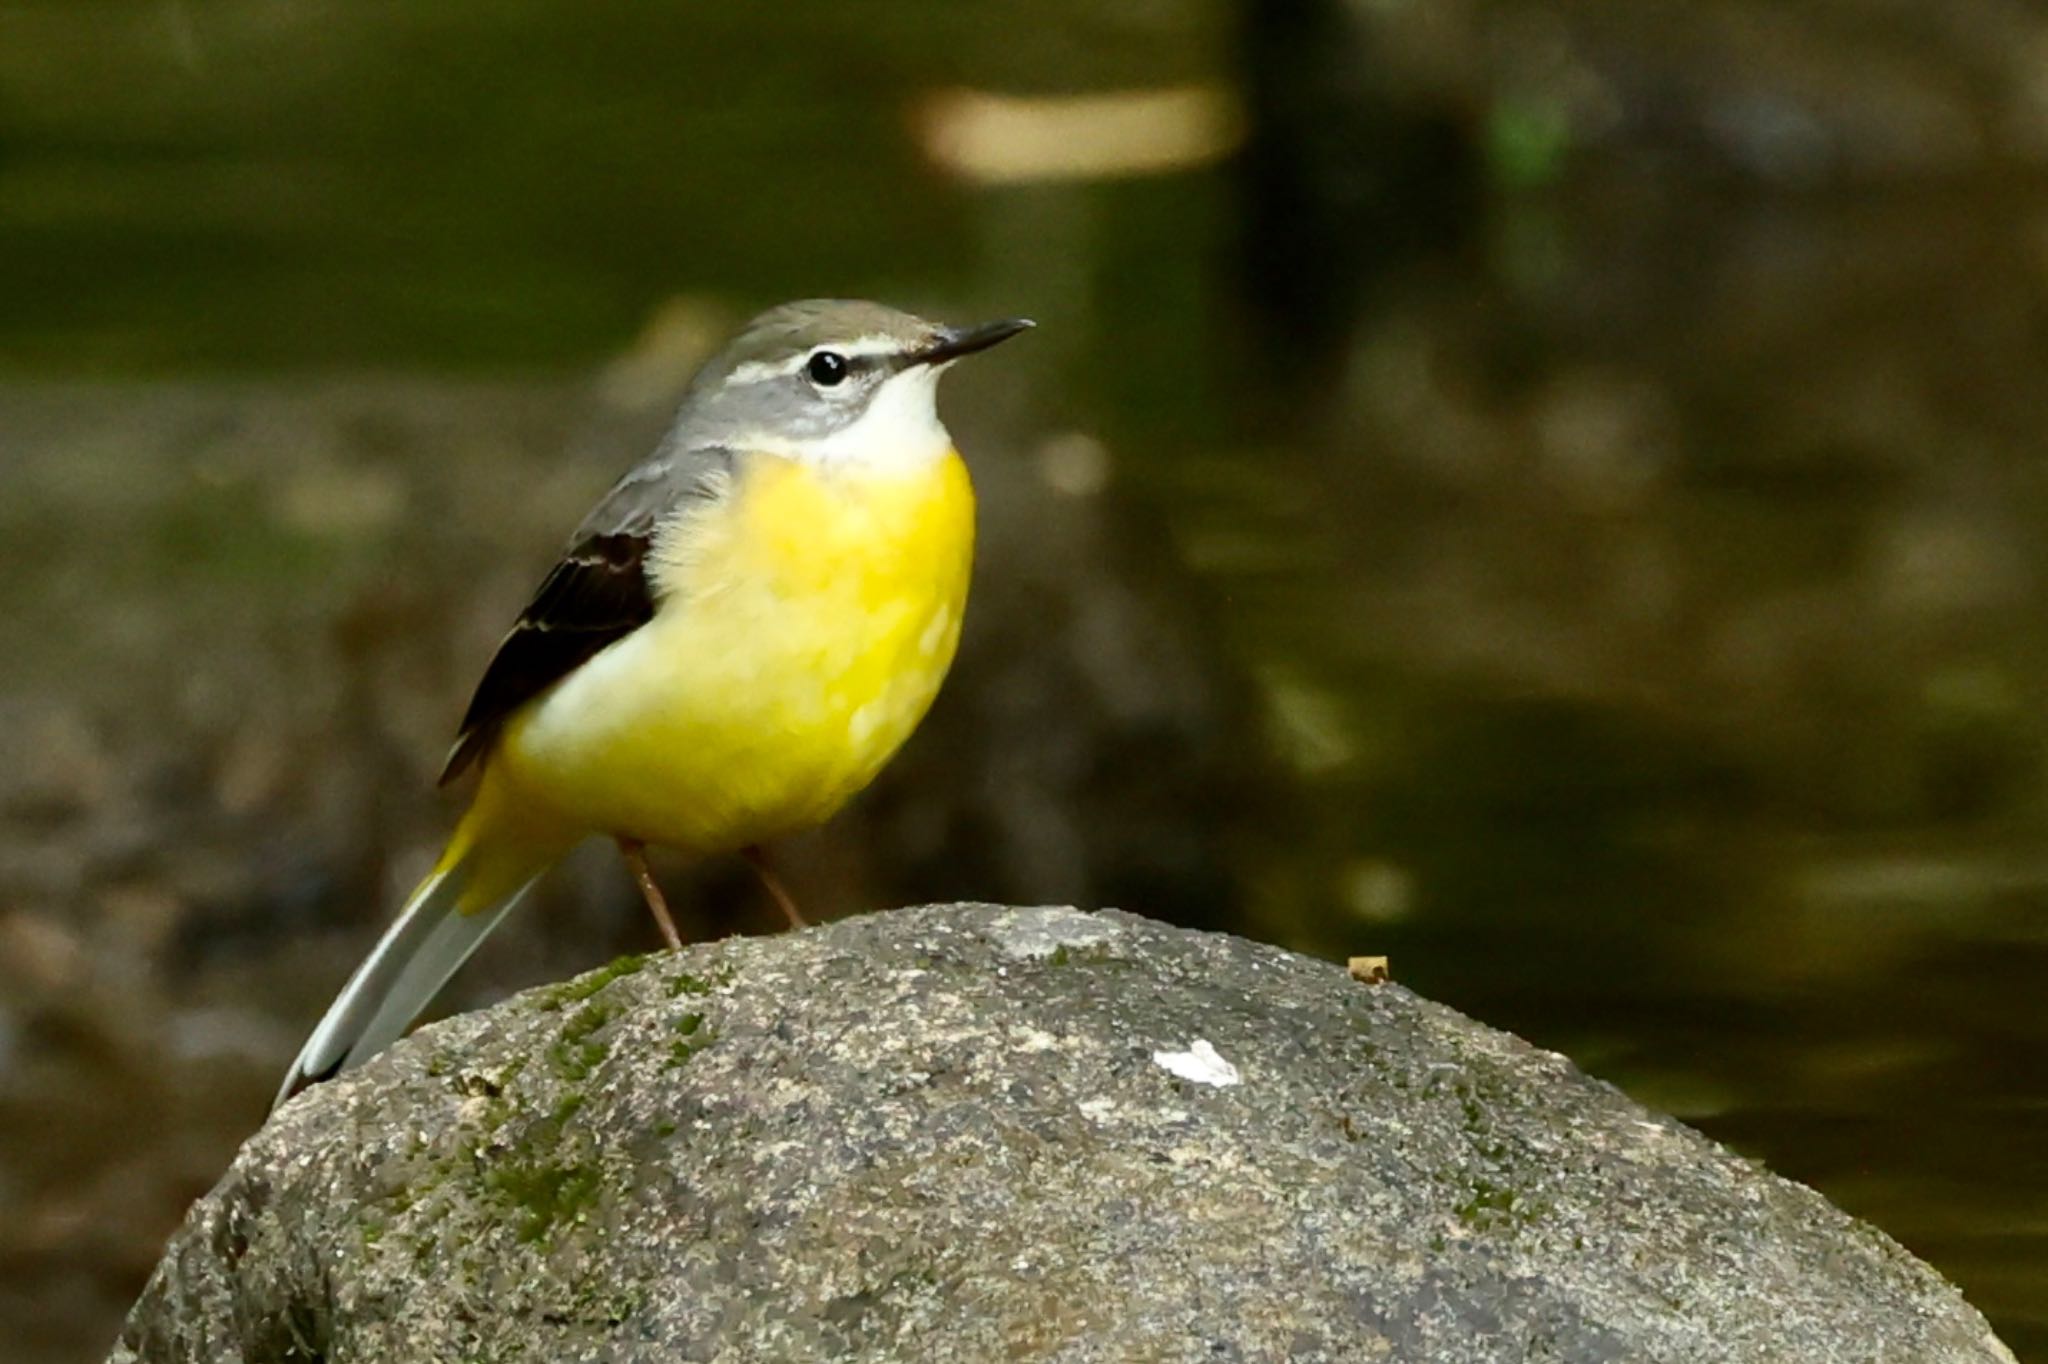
x: 805, y: 623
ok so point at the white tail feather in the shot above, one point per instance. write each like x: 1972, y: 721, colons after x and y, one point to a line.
x: 407, y: 967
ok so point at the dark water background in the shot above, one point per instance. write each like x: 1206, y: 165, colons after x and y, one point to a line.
x: 1553, y: 493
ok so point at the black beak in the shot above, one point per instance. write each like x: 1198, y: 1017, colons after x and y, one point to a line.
x: 955, y: 342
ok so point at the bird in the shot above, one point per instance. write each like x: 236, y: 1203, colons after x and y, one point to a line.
x: 740, y: 635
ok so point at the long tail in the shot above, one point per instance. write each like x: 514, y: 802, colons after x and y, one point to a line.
x: 488, y: 866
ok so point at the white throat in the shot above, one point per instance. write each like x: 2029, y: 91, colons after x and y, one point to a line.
x: 900, y: 430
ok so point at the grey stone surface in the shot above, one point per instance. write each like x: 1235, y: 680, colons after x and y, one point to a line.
x: 957, y: 1133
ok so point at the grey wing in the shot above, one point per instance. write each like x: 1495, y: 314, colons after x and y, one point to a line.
x: 597, y: 594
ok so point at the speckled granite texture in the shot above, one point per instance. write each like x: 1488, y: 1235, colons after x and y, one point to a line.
x: 974, y: 1133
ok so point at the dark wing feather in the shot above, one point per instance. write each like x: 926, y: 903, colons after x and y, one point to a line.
x: 598, y: 594
x: 593, y: 597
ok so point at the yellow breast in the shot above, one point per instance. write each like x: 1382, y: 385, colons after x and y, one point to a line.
x: 805, y: 623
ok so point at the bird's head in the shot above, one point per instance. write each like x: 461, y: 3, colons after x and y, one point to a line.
x: 832, y: 381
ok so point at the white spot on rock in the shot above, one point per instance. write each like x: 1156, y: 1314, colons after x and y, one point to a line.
x: 1037, y: 932
x: 1199, y: 1063
x: 1035, y: 1040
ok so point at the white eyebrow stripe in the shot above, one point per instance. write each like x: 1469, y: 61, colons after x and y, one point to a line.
x: 871, y: 345
x: 754, y: 371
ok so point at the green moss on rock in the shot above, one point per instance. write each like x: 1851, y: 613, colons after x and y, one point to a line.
x: 584, y: 986
x: 544, y: 1196
x: 578, y: 1050
x: 691, y: 1037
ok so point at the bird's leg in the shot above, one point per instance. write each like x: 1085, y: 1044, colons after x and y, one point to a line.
x: 635, y: 853
x: 758, y: 860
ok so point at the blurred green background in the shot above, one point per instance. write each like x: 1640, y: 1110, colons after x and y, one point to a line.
x: 1552, y: 492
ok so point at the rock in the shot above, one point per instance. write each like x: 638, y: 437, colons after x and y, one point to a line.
x: 971, y: 1133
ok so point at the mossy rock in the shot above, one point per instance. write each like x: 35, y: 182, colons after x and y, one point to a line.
x: 970, y: 1133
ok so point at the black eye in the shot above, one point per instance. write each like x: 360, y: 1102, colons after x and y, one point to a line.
x: 826, y: 368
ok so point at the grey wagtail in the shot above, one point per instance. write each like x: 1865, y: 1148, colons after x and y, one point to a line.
x: 741, y: 634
